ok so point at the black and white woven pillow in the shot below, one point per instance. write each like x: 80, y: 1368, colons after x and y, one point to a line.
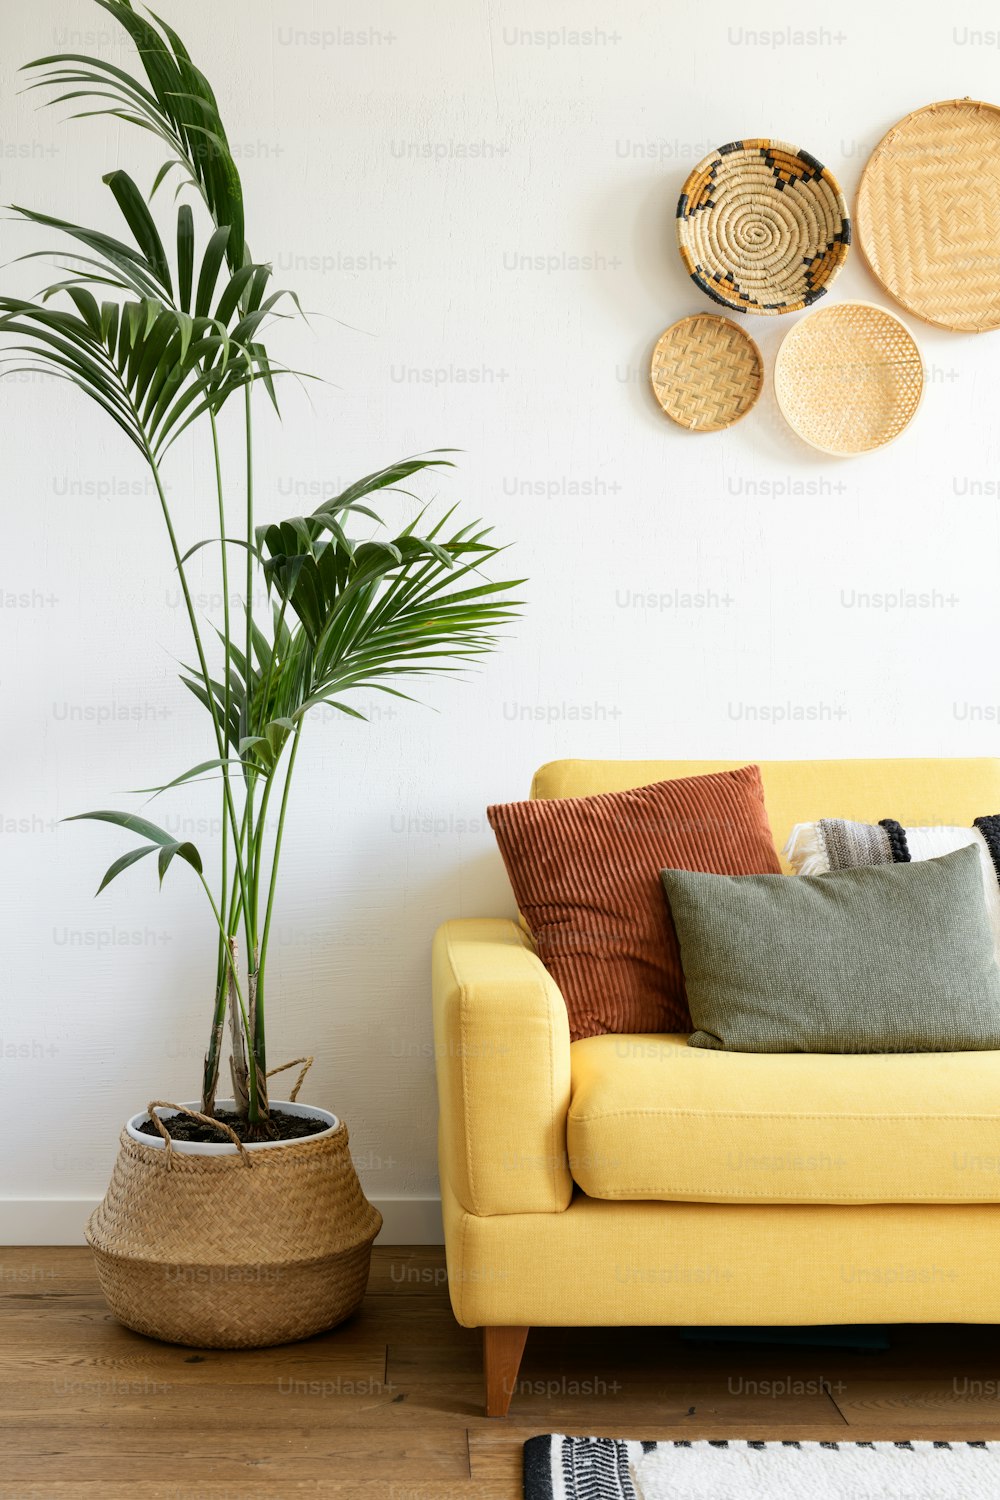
x: 839, y: 844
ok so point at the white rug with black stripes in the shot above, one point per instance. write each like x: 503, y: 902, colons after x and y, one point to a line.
x: 573, y: 1468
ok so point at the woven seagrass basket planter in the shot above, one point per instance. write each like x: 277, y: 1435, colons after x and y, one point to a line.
x: 234, y: 1251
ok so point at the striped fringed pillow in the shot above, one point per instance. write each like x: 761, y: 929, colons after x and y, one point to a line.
x: 839, y: 844
x: 586, y: 875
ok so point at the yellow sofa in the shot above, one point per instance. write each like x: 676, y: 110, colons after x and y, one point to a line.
x: 633, y: 1180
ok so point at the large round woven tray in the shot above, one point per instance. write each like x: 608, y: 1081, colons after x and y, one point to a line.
x: 929, y: 214
x: 762, y: 227
x: 706, y: 372
x: 848, y: 378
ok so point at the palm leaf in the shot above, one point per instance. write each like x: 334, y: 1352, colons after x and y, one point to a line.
x: 376, y: 608
x: 176, y: 103
x: 140, y: 221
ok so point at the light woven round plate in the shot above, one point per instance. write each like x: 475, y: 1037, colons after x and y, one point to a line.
x: 848, y: 378
x: 762, y: 227
x: 929, y: 214
x: 706, y: 372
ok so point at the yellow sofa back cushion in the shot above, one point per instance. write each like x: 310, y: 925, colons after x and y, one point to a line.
x: 921, y: 793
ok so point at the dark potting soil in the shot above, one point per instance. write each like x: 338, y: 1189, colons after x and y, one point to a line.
x: 284, y: 1127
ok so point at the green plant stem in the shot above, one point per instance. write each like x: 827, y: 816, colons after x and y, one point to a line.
x: 257, y: 1063
x: 260, y: 1046
x: 222, y: 742
x: 236, y: 899
x: 210, y: 1077
x: 224, y: 883
x: 250, y: 907
x: 259, y: 833
x: 220, y: 497
x: 254, y: 1110
x: 266, y: 697
x: 212, y: 1057
x: 202, y: 662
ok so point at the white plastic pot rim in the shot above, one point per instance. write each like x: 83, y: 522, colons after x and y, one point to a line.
x: 223, y: 1147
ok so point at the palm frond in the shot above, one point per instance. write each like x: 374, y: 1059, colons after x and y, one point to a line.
x: 148, y: 360
x: 367, y: 610
x: 176, y: 103
x: 162, y: 843
x: 152, y: 369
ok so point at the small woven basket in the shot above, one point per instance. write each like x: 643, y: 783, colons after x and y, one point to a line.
x: 234, y: 1251
x: 929, y: 214
x: 762, y: 227
x: 848, y: 378
x: 706, y: 372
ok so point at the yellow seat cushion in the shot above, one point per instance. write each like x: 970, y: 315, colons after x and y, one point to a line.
x: 651, y: 1118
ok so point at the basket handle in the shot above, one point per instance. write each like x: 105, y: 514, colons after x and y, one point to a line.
x: 182, y: 1109
x: 307, y: 1063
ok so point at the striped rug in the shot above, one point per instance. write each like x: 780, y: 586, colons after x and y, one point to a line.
x: 588, y: 1468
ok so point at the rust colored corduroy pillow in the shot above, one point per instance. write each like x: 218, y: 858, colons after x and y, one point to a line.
x: 586, y: 875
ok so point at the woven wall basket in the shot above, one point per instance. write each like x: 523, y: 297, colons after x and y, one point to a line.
x: 706, y: 372
x: 762, y: 227
x: 929, y: 214
x: 848, y: 378
x: 237, y: 1251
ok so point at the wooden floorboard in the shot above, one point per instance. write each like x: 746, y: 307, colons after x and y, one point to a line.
x: 389, y: 1406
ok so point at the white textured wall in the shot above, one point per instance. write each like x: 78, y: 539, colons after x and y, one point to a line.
x: 405, y: 185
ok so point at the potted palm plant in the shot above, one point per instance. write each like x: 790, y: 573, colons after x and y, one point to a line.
x: 238, y: 1221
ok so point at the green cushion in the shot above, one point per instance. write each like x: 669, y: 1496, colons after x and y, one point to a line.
x: 892, y: 958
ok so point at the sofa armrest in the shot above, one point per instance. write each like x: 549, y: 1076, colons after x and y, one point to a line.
x: 501, y: 1042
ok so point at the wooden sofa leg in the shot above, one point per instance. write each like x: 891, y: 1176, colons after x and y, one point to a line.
x: 502, y: 1351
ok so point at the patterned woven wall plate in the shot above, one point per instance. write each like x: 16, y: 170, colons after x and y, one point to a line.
x: 706, y: 372
x: 848, y: 378
x: 929, y: 214
x: 762, y: 227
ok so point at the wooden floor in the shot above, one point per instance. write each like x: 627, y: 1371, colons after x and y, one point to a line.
x: 389, y: 1405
